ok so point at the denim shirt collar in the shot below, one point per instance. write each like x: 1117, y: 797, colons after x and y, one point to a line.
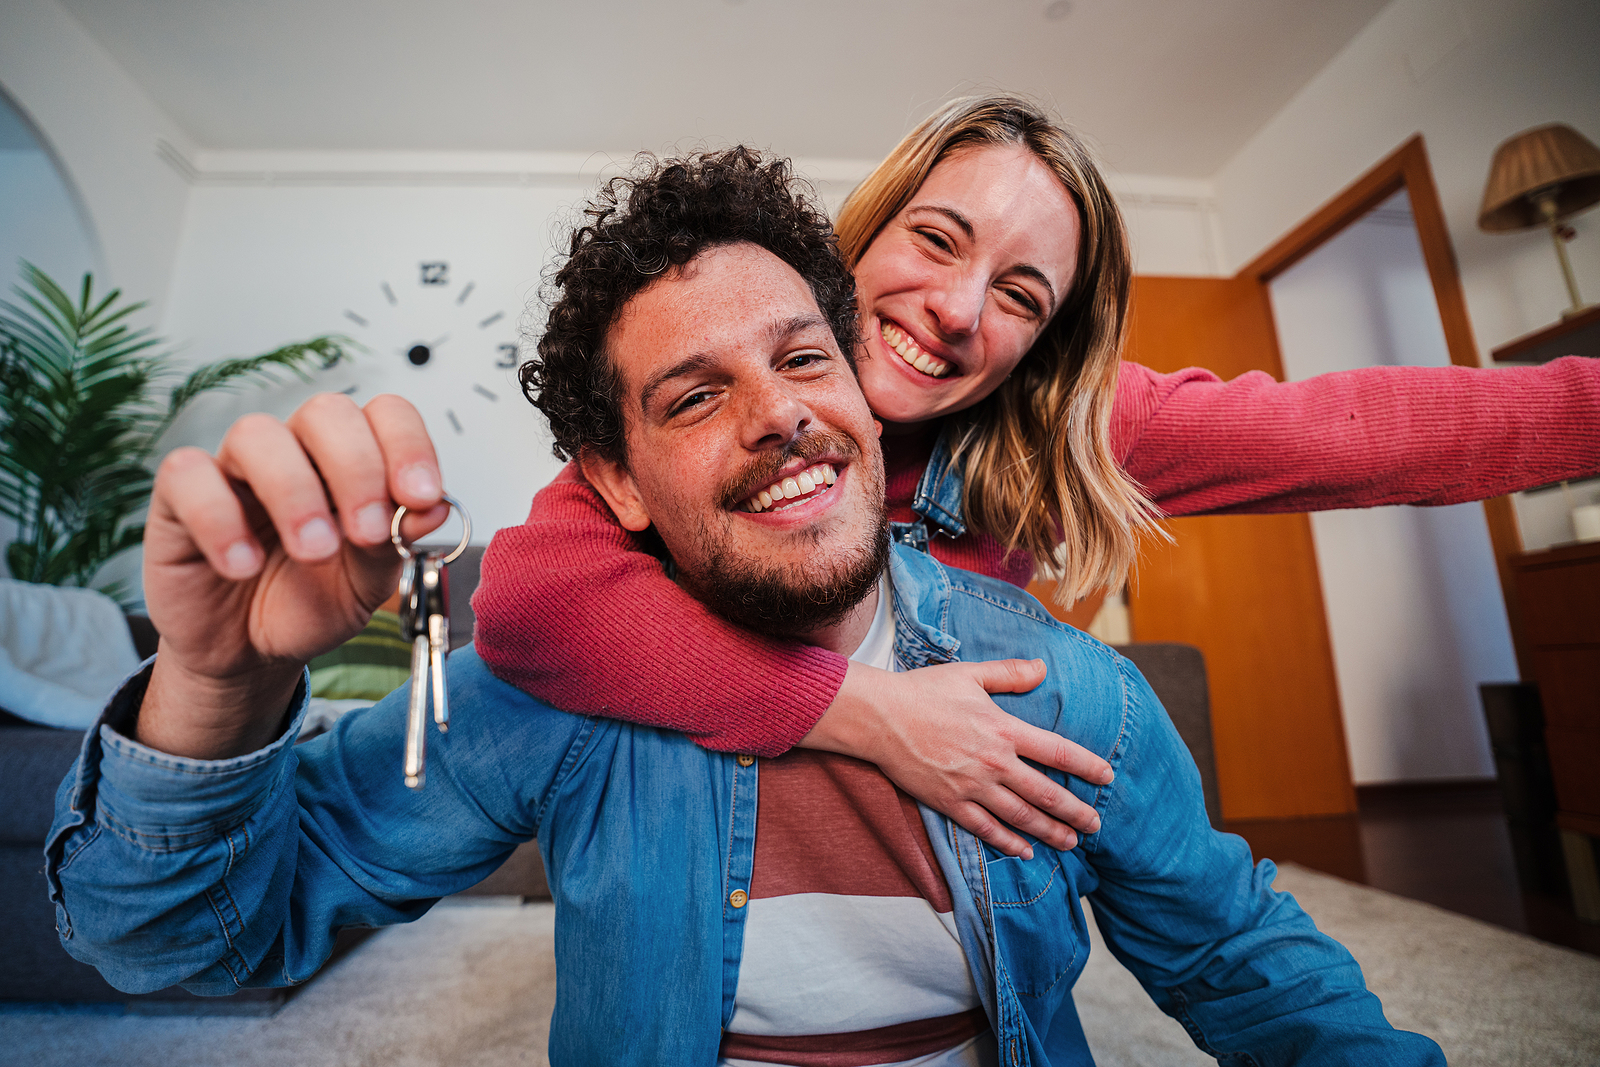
x: 921, y: 608
x: 940, y: 490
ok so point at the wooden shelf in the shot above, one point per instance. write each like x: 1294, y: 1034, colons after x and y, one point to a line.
x: 1577, y: 336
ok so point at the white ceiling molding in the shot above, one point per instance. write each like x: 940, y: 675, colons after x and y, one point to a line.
x: 443, y: 169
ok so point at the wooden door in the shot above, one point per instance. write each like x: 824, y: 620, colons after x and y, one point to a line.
x: 1244, y: 589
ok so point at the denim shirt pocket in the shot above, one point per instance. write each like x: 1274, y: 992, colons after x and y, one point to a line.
x: 1037, y: 916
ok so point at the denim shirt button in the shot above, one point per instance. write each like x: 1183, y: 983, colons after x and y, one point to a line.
x: 738, y: 898
x: 745, y: 759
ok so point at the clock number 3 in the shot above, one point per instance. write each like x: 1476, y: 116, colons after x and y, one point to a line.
x: 435, y: 273
x: 508, y: 357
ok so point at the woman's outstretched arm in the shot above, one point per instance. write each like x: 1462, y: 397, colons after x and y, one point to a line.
x: 1361, y: 438
x: 572, y: 609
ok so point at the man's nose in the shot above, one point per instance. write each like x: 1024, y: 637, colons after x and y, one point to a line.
x: 957, y: 303
x: 774, y: 415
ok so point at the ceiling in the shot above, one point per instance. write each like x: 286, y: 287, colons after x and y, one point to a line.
x: 1165, y: 87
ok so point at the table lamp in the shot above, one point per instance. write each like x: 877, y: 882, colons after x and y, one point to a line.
x: 1543, y: 176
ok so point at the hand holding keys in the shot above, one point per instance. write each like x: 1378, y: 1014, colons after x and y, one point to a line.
x: 425, y: 621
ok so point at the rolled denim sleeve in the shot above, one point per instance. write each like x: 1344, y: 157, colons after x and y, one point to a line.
x: 220, y: 874
x: 1241, y: 966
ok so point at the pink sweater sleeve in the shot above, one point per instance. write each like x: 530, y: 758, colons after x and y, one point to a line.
x: 1380, y: 435
x: 571, y: 609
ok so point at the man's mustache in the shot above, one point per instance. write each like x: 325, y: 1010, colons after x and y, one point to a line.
x: 760, y: 472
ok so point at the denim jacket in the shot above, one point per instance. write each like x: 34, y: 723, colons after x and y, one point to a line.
x: 239, y: 872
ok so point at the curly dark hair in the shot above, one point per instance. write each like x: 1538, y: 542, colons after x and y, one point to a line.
x: 639, y: 226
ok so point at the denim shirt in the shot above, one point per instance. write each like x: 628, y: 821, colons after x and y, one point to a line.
x: 937, y: 499
x: 239, y: 872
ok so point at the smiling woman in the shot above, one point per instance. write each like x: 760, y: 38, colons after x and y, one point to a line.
x: 993, y: 280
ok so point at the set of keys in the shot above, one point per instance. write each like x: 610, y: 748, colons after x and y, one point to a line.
x: 425, y: 622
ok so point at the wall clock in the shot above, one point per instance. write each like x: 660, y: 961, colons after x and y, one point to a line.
x: 434, y: 339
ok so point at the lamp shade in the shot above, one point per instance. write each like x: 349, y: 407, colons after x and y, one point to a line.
x: 1534, y: 160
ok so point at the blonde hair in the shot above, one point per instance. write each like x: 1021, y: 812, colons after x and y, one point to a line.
x: 1036, y: 453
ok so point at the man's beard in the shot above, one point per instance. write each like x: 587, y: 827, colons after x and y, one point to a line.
x: 785, y: 601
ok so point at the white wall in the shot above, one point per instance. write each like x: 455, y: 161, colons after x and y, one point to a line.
x: 39, y: 221
x: 104, y: 130
x: 1467, y: 74
x: 263, y: 262
x: 1173, y: 224
x: 1413, y: 601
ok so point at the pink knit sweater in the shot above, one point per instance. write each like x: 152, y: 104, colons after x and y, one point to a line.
x: 571, y: 610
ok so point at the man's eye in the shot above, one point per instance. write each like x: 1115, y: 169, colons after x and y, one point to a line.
x: 692, y: 400
x: 802, y: 360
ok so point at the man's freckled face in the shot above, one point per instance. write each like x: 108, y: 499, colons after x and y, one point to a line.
x: 733, y: 383
x: 960, y: 283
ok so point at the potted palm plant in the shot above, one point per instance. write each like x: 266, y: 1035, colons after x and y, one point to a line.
x: 82, y: 412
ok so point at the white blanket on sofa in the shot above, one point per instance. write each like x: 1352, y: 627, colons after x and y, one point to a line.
x: 63, y: 651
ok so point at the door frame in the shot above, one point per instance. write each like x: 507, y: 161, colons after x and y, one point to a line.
x: 1407, y: 168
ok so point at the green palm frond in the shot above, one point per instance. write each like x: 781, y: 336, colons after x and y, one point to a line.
x: 79, y: 426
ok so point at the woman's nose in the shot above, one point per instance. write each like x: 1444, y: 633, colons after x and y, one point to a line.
x: 957, y: 305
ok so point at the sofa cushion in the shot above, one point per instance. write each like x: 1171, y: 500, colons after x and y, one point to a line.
x: 33, y: 761
x: 62, y: 652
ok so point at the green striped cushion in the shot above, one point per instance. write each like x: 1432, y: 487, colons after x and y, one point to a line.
x: 368, y: 666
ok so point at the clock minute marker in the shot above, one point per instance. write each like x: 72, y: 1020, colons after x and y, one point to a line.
x: 453, y: 420
x: 462, y: 299
x: 388, y: 292
x: 491, y: 320
x: 481, y: 391
x: 357, y: 319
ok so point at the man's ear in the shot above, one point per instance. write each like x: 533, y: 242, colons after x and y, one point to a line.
x: 613, y: 482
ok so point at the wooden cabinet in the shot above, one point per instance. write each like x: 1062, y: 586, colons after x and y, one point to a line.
x: 1558, y: 594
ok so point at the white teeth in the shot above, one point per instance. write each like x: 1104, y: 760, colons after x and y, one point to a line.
x: 792, y: 488
x: 907, y: 349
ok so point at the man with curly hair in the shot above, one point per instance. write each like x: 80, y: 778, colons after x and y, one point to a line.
x: 698, y: 361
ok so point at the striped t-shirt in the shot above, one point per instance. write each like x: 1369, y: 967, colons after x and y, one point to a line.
x: 850, y: 948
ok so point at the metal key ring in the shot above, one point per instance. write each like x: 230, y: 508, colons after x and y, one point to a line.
x: 466, y: 531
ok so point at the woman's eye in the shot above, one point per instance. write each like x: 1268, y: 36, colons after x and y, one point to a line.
x: 937, y: 239
x: 1020, y: 297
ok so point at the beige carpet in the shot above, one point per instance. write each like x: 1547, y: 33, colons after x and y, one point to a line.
x: 1490, y: 997
x: 472, y: 984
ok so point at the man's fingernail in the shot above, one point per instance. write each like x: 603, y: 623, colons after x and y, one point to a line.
x: 372, y: 522
x: 318, y: 539
x: 240, y: 559
x: 420, y: 480
x: 1027, y: 853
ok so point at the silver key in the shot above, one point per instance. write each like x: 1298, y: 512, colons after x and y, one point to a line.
x: 425, y: 622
